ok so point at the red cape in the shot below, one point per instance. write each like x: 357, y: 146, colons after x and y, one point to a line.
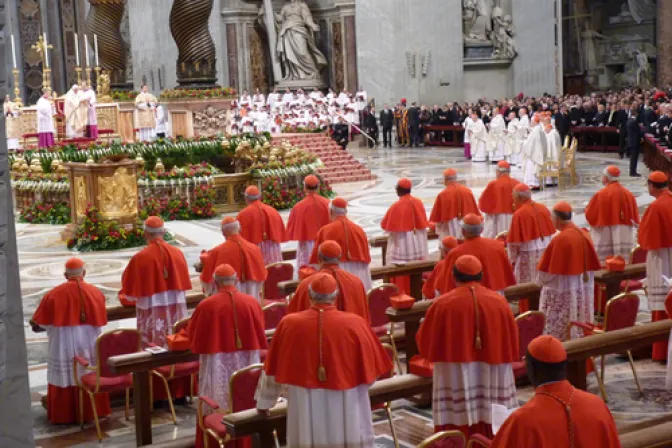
x: 611, y: 206
x: 448, y: 332
x: 63, y: 305
x: 145, y: 274
x: 455, y: 201
x: 531, y: 221
x: 498, y: 196
x: 570, y: 252
x: 244, y: 257
x: 212, y: 326
x: 308, y: 217
x: 351, y: 298
x: 405, y: 215
x: 654, y: 232
x: 260, y: 222
x: 352, y: 355
x: 352, y: 239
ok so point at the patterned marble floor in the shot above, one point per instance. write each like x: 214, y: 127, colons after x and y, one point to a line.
x: 42, y: 255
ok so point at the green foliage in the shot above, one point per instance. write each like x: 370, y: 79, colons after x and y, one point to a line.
x: 39, y: 213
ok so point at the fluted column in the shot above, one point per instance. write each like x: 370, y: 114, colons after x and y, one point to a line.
x: 104, y: 20
x: 196, y: 49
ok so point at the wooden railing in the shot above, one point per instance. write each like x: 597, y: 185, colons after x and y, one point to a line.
x: 456, y: 135
x: 597, y: 138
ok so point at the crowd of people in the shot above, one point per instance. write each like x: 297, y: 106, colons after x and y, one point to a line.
x: 323, y: 356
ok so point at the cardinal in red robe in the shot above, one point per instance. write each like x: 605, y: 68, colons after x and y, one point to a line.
x: 326, y: 359
x: 245, y: 258
x: 227, y: 331
x: 355, y: 255
x: 496, y: 201
x: 262, y: 225
x: 351, y: 296
x: 429, y: 290
x: 73, y: 315
x: 451, y: 205
x: 306, y: 219
x: 558, y: 415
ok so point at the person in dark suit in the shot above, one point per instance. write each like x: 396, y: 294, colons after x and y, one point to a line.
x: 414, y: 124
x: 623, y: 116
x: 340, y: 133
x: 575, y: 114
x: 601, y: 116
x: 562, y: 122
x: 662, y: 125
x: 633, y: 140
x: 371, y: 127
x: 386, y: 121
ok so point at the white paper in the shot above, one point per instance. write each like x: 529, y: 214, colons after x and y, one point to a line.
x: 499, y: 415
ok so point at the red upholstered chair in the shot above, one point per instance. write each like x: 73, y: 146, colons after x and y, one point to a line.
x: 101, y: 379
x: 179, y: 370
x: 479, y: 441
x: 620, y: 312
x: 277, y: 272
x: 273, y: 313
x: 445, y: 439
x: 637, y: 256
x: 242, y: 385
x: 379, y: 302
x: 391, y: 353
x: 530, y: 325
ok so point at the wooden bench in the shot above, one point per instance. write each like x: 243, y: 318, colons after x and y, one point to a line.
x: 596, y: 138
x: 456, y: 133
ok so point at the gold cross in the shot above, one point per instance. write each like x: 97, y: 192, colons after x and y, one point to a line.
x: 41, y: 47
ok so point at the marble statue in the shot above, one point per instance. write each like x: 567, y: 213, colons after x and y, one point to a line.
x: 299, y: 57
x: 477, y: 18
x: 588, y: 38
x: 643, y: 68
x: 502, y: 35
x: 642, y: 10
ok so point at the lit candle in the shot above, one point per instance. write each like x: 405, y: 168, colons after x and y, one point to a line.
x: 77, y: 49
x: 95, y: 44
x: 13, y: 51
x: 46, y: 50
x: 86, y: 49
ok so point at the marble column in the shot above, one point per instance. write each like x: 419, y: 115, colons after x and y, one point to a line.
x: 664, y: 43
x: 16, y: 420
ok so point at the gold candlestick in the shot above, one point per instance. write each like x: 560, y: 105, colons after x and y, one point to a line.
x: 78, y: 70
x: 97, y: 70
x: 46, y: 78
x: 88, y: 75
x: 17, y: 91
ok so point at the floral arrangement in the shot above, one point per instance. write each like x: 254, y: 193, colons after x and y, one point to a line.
x: 280, y: 196
x: 302, y: 130
x: 200, y: 206
x: 123, y: 95
x: 39, y: 213
x: 218, y: 92
x: 202, y: 170
x: 42, y: 182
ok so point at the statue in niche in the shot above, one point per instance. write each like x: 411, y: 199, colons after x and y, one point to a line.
x: 477, y: 20
x: 643, y: 71
x: 502, y: 35
x: 295, y: 47
x: 588, y: 39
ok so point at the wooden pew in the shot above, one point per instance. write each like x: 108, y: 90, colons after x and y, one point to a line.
x: 414, y: 269
x: 381, y: 242
x: 612, y: 280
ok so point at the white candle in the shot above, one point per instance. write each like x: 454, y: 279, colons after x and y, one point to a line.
x: 95, y: 45
x: 86, y: 49
x: 77, y: 49
x: 13, y: 51
x: 46, y: 50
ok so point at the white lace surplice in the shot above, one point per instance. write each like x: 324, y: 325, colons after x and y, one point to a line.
x: 216, y: 371
x: 463, y: 393
x: 403, y: 247
x: 565, y: 299
x: 613, y: 240
x: 64, y: 344
x: 271, y: 252
x: 449, y: 228
x: 157, y: 314
x: 494, y: 224
x: 658, y: 263
x: 360, y: 269
x: 525, y: 257
x: 304, y: 249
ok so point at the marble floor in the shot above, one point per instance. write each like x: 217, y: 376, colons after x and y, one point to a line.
x: 42, y: 254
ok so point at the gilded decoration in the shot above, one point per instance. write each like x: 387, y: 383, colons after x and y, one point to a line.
x: 118, y: 195
x: 104, y: 20
x: 258, y: 61
x: 80, y: 195
x: 339, y: 76
x: 210, y: 122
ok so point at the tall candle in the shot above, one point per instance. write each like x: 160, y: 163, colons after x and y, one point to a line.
x: 77, y: 49
x: 46, y: 50
x: 13, y: 51
x: 86, y: 49
x: 95, y: 45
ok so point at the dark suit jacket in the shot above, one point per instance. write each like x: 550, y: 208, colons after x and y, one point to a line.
x: 633, y: 134
x: 601, y: 119
x: 370, y: 122
x: 562, y: 124
x: 386, y: 118
x: 413, y: 116
x: 575, y: 115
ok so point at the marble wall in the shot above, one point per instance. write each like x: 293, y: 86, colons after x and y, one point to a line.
x: 664, y: 38
x: 16, y: 421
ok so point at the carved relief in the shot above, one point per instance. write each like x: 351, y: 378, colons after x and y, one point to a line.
x: 107, y: 117
x: 339, y: 76
x: 210, y: 121
x: 80, y: 195
x: 118, y: 195
x: 258, y: 61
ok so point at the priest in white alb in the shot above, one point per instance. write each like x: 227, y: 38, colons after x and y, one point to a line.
x: 534, y: 152
x: 76, y: 113
x: 326, y: 360
x: 45, y: 121
x: 478, y: 137
x: 497, y: 147
x: 145, y: 115
x: 88, y: 95
x: 514, y: 142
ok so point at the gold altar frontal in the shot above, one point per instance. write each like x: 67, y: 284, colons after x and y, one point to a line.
x: 110, y: 186
x: 107, y: 115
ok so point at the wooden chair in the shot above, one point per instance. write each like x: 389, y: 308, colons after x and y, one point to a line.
x: 180, y: 370
x: 242, y: 386
x: 530, y: 325
x: 445, y: 439
x: 620, y: 312
x: 277, y: 272
x: 379, y: 302
x: 273, y: 313
x: 391, y: 353
x: 100, y: 379
x: 478, y: 440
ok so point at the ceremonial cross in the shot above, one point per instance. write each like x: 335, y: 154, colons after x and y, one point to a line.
x: 41, y: 47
